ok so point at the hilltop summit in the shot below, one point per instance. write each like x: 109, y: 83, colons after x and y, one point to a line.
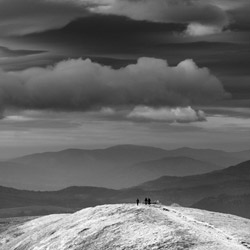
x: 126, y: 226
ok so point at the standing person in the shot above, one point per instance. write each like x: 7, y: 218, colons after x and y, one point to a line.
x: 149, y: 201
x: 146, y: 201
x: 137, y: 201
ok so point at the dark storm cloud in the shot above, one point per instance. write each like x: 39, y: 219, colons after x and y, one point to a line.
x: 178, y: 11
x: 27, y: 16
x: 118, y: 41
x: 202, y: 18
x: 84, y: 85
x: 122, y: 38
x: 101, y: 33
x: 240, y: 18
x: 239, y: 86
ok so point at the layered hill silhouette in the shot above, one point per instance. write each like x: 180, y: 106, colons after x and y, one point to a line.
x: 174, y: 166
x: 217, y: 157
x: 126, y: 226
x: 113, y: 167
x: 186, y: 191
x: 237, y: 173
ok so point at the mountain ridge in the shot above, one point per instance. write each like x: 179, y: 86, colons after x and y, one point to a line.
x: 127, y: 226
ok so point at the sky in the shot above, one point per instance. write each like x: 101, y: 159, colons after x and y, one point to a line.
x: 97, y: 73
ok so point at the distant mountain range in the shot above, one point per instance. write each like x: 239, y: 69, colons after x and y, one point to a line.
x: 120, y: 166
x: 194, y: 191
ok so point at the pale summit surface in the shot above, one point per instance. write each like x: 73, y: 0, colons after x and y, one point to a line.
x: 126, y: 226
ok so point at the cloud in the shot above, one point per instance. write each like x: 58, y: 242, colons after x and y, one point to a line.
x: 181, y: 115
x: 107, y: 111
x: 178, y: 11
x: 196, y: 29
x: 82, y: 85
x: 6, y: 52
x: 228, y: 4
x: 17, y: 118
x: 230, y: 124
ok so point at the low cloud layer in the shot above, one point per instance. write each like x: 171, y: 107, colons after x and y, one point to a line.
x: 84, y: 85
x: 181, y: 115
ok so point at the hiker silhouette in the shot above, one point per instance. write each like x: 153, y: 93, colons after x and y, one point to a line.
x: 137, y: 201
x: 146, y: 201
x: 149, y: 201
